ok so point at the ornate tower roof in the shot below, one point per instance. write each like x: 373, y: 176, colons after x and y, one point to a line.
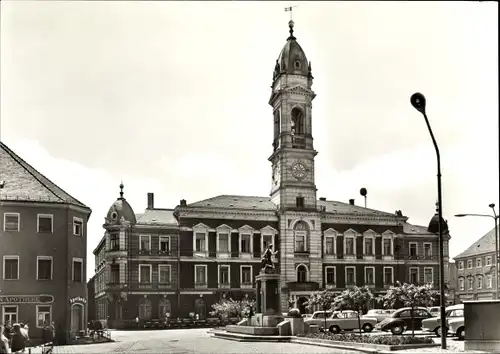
x: 292, y: 58
x: 120, y: 210
x: 434, y: 223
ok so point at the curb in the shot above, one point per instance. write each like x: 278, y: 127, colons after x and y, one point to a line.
x: 337, y: 346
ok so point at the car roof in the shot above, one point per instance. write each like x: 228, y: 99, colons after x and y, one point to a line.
x: 455, y: 307
x: 409, y: 308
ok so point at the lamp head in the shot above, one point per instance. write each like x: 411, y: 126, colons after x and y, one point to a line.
x: 418, y: 102
x: 460, y: 215
x: 492, y: 205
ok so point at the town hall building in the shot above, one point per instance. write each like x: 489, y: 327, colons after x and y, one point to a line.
x: 178, y: 262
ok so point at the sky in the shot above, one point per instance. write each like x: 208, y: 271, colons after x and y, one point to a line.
x: 172, y: 98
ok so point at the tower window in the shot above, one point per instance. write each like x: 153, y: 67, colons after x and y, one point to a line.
x: 297, y: 64
x: 299, y: 201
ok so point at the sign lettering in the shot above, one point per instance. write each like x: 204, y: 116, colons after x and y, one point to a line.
x: 26, y: 299
x: 78, y: 299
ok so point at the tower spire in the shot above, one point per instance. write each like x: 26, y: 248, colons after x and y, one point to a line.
x: 290, y: 23
x: 121, y: 190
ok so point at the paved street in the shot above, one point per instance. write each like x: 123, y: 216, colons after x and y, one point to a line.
x: 187, y: 341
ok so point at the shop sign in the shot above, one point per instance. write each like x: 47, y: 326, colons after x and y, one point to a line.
x: 77, y: 299
x: 26, y: 299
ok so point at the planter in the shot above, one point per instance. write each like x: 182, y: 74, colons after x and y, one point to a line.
x: 296, y: 325
x: 360, y: 346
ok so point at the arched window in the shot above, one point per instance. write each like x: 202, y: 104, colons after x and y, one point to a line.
x: 145, y: 309
x: 165, y: 308
x: 301, y: 233
x: 199, y: 308
x: 301, y: 274
x: 297, y: 121
x: 77, y: 318
x: 277, y: 125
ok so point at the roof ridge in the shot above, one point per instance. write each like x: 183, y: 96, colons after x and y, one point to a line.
x: 34, y: 172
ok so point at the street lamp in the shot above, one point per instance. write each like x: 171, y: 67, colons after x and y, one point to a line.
x: 495, y: 217
x: 417, y: 100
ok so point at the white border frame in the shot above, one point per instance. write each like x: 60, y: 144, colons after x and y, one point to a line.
x: 162, y: 238
x: 432, y: 274
x: 6, y: 257
x: 470, y: 280
x: 80, y: 220
x: 82, y: 325
x: 47, y: 216
x: 38, y: 311
x: 7, y: 305
x: 418, y: 275
x: 245, y: 230
x: 18, y: 221
x: 471, y: 261
x: 430, y: 248
x: 365, y: 276
x: 140, y: 243
x: 461, y: 284
x: 388, y: 235
x: 480, y: 262
x: 490, y: 261
x: 223, y: 230
x: 365, y: 255
x: 392, y: 275
x: 246, y: 286
x: 461, y: 265
x: 480, y: 281
x: 489, y: 283
x: 297, y: 272
x: 350, y: 234
x: 77, y: 260
x: 306, y: 234
x: 345, y: 276
x: 268, y: 231
x: 200, y: 285
x: 330, y: 285
x: 150, y: 273
x: 200, y: 229
x: 219, y: 267
x: 416, y: 249
x: 330, y: 233
x: 169, y: 267
x: 45, y: 258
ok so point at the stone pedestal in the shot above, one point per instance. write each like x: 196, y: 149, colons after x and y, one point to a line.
x: 268, y: 296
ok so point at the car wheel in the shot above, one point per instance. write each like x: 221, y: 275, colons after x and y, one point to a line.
x: 367, y: 327
x: 438, y: 331
x: 397, y: 330
x: 461, y: 333
x: 334, y: 329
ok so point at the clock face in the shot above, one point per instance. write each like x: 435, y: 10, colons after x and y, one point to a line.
x: 299, y: 170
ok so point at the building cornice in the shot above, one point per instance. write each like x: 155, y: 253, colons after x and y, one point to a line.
x: 29, y: 204
x: 229, y: 214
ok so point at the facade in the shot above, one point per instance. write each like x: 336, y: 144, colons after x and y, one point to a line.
x: 43, y: 237
x: 475, y: 270
x: 91, y: 312
x: 180, y: 261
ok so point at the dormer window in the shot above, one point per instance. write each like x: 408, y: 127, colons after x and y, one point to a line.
x: 297, y: 65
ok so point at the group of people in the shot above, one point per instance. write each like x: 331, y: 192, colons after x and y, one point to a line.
x: 14, y: 338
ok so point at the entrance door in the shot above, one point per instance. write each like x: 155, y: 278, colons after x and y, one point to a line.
x: 199, y: 308
x: 76, y: 318
x: 301, y: 305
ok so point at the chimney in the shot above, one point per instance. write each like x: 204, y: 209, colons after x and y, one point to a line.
x: 351, y: 201
x: 151, y: 200
x: 323, y: 199
x: 183, y: 202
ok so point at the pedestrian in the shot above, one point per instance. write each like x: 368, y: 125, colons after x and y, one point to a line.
x: 137, y: 321
x: 4, y: 342
x: 18, y: 341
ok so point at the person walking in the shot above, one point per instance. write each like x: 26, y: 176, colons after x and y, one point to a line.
x: 18, y: 341
x: 4, y: 342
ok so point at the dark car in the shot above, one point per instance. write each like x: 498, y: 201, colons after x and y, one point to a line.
x: 402, y: 320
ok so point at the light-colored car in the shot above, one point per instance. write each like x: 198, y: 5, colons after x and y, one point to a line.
x: 380, y: 314
x: 434, y: 310
x: 434, y: 324
x: 348, y: 321
x: 318, y: 318
x: 456, y: 326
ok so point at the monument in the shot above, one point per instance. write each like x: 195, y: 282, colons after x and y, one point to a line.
x: 268, y: 285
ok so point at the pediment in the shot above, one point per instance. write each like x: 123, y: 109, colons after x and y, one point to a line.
x: 388, y: 233
x: 298, y: 89
x: 246, y: 228
x: 369, y: 232
x: 200, y: 226
x: 223, y: 227
x: 331, y: 231
x: 351, y: 232
x: 268, y: 230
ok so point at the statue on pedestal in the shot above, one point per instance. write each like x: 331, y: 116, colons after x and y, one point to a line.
x: 267, y: 259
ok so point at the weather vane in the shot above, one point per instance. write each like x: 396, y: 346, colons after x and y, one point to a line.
x: 289, y: 9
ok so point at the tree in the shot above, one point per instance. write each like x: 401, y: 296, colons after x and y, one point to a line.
x: 356, y: 299
x: 410, y: 295
x: 322, y: 299
x: 227, y: 308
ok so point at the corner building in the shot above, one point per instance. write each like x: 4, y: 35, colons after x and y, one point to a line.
x: 181, y: 261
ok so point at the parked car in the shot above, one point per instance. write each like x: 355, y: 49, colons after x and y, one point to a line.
x: 348, y: 321
x: 434, y: 310
x: 434, y: 324
x: 401, y: 320
x: 318, y: 318
x: 456, y: 326
x: 380, y: 314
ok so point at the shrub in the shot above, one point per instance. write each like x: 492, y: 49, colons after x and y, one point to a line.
x: 381, y: 339
x: 294, y: 313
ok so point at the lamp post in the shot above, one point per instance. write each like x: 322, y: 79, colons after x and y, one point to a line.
x: 495, y: 218
x: 417, y: 100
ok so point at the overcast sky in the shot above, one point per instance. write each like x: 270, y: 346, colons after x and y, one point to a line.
x: 172, y: 98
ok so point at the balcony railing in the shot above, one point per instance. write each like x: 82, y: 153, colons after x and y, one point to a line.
x: 152, y: 286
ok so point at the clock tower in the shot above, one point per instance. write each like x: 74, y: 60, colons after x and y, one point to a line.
x: 293, y: 185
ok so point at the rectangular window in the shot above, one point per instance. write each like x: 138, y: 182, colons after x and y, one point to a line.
x: 44, y: 268
x: 299, y: 202
x: 300, y: 244
x: 330, y: 275
x: 11, y: 267
x: 413, y: 249
x: 45, y: 223
x: 145, y: 273
x: 461, y: 284
x: 330, y: 245
x: 349, y: 246
x: 489, y: 279
x: 200, y: 242
x: 414, y: 276
x: 77, y: 270
x: 200, y: 275
x: 145, y: 243
x: 478, y: 263
x: 164, y: 244
x: 77, y: 226
x: 11, y: 222
x: 164, y: 273
x: 469, y: 264
x: 224, y: 275
x: 43, y: 315
x: 246, y: 275
x: 245, y: 243
x: 267, y: 240
x: 10, y: 314
x: 488, y: 260
x: 388, y: 275
x: 387, y: 247
x: 460, y: 265
x: 369, y: 276
x: 114, y: 242
x: 428, y: 249
x: 479, y: 282
x: 369, y: 247
x: 470, y: 283
x: 350, y: 277
x: 429, y: 275
x: 224, y: 243
x: 115, y: 274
